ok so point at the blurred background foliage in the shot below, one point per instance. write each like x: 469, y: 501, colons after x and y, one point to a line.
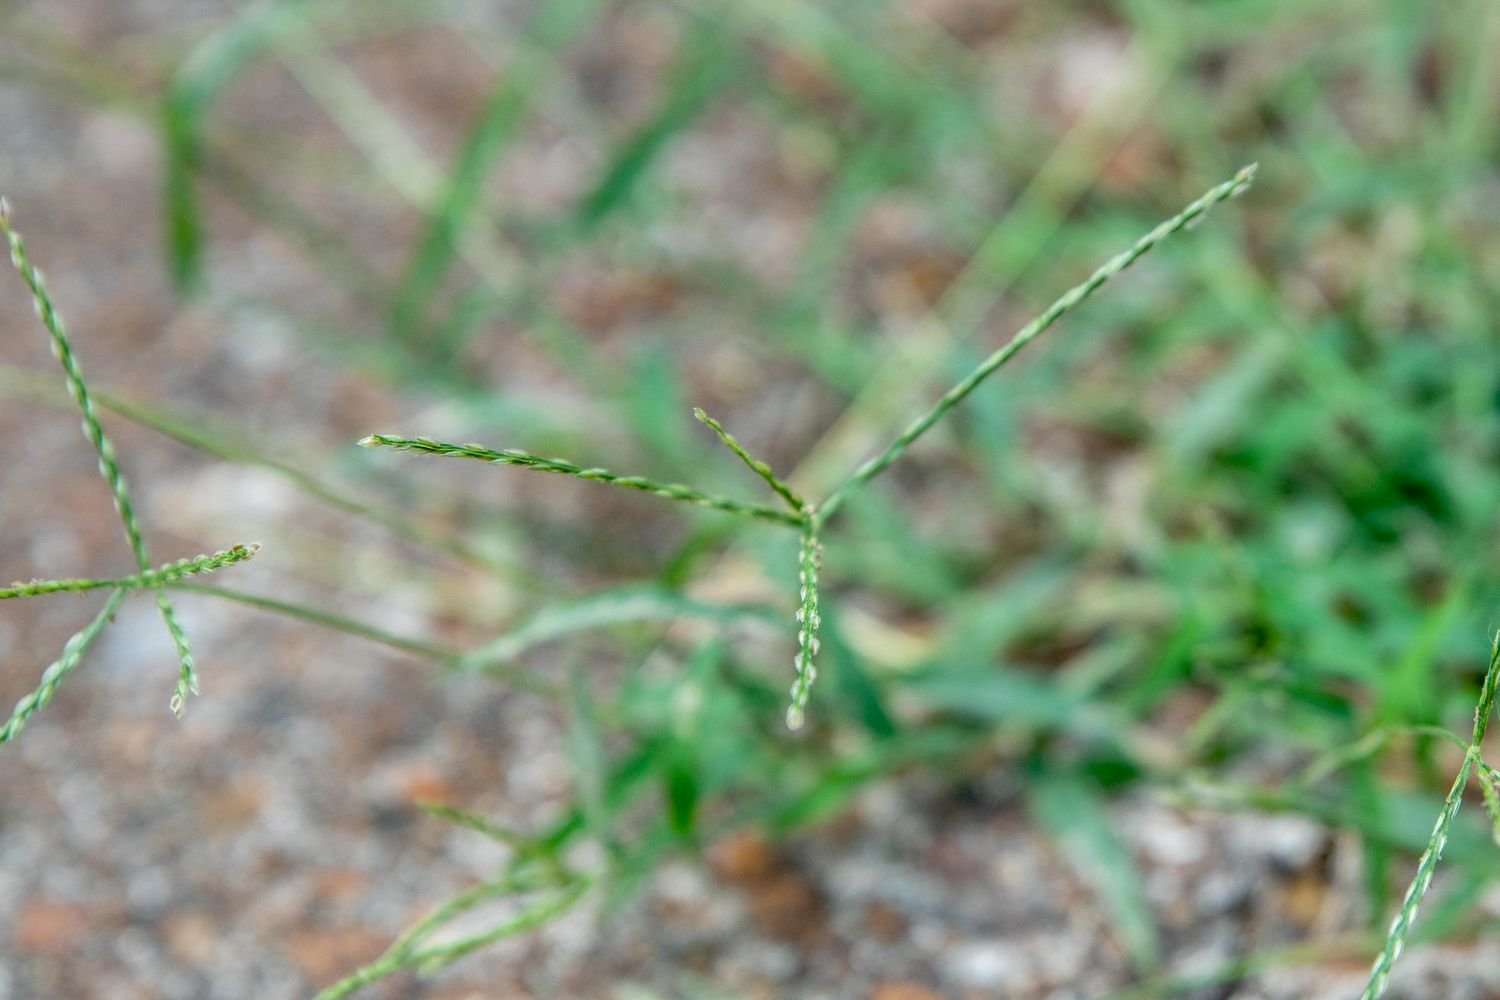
x: 1230, y: 518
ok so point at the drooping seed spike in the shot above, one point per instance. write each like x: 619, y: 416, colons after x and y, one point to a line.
x: 807, y: 632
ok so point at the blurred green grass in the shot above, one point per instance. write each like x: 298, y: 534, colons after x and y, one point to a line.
x: 1253, y: 484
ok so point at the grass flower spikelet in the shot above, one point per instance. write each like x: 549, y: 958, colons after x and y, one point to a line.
x: 514, y: 456
x: 162, y: 575
x: 809, y: 562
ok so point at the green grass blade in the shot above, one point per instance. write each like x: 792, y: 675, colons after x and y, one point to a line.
x: 863, y: 695
x: 404, y: 952
x: 1073, y: 297
x: 435, y: 652
x: 682, y: 788
x: 1070, y: 810
x: 168, y: 573
x: 530, y: 918
x: 600, y: 610
x: 709, y: 61
x: 514, y: 456
x: 335, y: 254
x: 109, y: 466
x: 203, y: 75
x: 584, y: 743
x: 391, y: 150
x: 72, y: 653
x: 479, y: 824
x: 1409, y: 688
x: 999, y: 696
x: 460, y: 205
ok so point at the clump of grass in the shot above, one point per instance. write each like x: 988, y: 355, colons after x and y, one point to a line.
x: 810, y: 518
x: 145, y: 578
x: 1406, y: 915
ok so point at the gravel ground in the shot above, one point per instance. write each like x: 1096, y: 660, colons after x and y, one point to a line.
x: 270, y: 842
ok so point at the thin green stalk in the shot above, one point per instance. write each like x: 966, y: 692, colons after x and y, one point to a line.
x: 1401, y: 925
x: 72, y: 653
x: 758, y: 467
x: 617, y: 606
x: 403, y: 952
x: 109, y: 466
x: 394, y: 957
x: 168, y: 573
x: 436, y: 956
x: 517, y: 842
x: 443, y: 655
x: 327, y: 619
x: 810, y: 560
x: 199, y: 430
x: 1073, y: 297
x: 514, y: 456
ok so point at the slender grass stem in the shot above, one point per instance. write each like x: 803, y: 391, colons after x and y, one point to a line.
x: 1401, y: 925
x: 395, y: 957
x: 513, y: 456
x: 404, y: 953
x: 438, y: 955
x: 327, y: 619
x: 201, y: 431
x: 758, y: 467
x: 517, y: 842
x: 443, y: 655
x: 109, y: 466
x: 168, y: 573
x: 72, y: 653
x: 1073, y: 297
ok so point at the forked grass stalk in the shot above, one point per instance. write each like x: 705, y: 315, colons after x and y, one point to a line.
x: 109, y: 468
x: 810, y: 518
